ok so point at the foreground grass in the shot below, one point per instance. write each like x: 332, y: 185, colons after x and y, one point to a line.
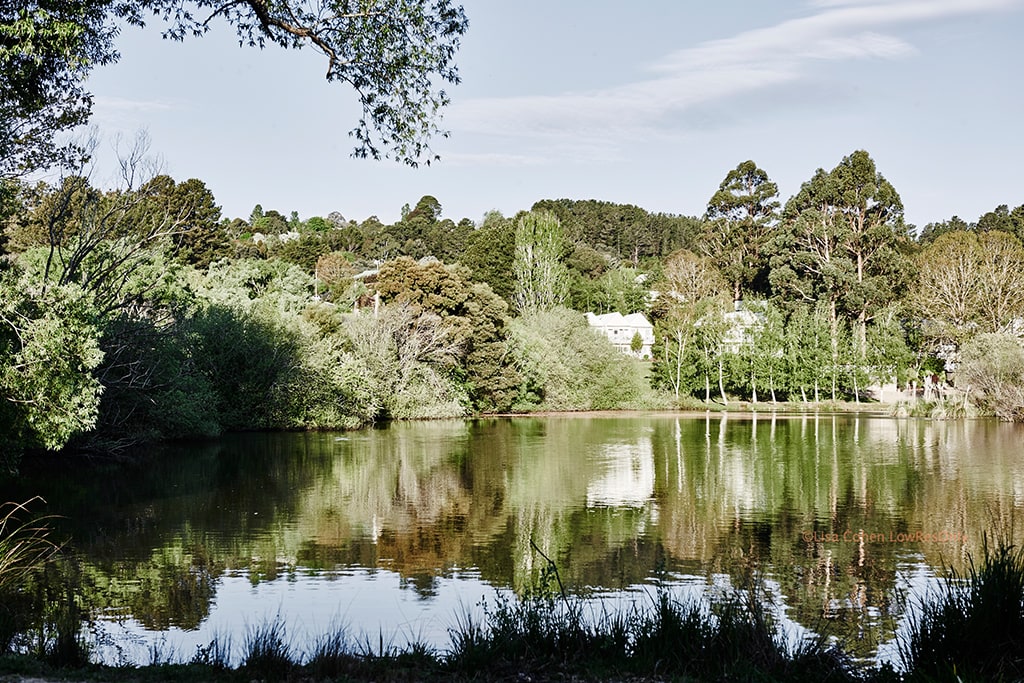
x: 972, y: 630
x: 535, y: 639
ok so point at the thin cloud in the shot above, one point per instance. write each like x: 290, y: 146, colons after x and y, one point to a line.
x: 811, y: 37
x: 118, y: 113
x: 491, y: 159
x: 120, y: 104
x: 751, y: 61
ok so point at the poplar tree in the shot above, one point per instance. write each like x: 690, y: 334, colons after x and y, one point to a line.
x: 687, y: 316
x: 542, y: 281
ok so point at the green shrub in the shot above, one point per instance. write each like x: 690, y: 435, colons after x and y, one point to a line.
x: 567, y: 365
x: 992, y: 373
x: 248, y: 360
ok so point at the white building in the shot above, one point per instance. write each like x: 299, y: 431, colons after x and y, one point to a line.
x: 742, y: 324
x: 621, y: 329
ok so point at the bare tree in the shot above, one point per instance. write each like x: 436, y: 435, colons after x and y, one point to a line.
x: 968, y: 284
x: 405, y: 352
x: 98, y: 239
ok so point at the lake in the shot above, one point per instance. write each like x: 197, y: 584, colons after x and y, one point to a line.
x: 398, y: 532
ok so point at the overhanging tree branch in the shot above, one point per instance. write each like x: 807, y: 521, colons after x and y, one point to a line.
x: 394, y: 55
x: 391, y: 54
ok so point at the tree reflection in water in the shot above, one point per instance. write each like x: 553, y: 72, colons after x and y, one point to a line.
x: 810, y: 505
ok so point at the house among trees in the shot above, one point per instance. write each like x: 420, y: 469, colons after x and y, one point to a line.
x: 369, y: 296
x: 741, y: 325
x: 631, y: 334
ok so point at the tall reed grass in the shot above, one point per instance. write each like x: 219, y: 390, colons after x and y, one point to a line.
x: 25, y: 545
x: 973, y: 630
x: 25, y: 549
x: 731, y: 638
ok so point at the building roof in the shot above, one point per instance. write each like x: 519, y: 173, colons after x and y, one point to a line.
x: 616, y: 319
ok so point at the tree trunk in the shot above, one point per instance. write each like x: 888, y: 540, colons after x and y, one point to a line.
x: 833, y: 325
x: 862, y: 335
x: 721, y: 383
x: 674, y: 377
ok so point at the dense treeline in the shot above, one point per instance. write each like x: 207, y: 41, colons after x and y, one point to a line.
x: 141, y: 313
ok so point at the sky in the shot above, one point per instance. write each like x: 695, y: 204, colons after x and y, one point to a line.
x: 649, y: 103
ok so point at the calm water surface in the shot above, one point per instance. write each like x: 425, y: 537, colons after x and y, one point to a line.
x: 399, y: 532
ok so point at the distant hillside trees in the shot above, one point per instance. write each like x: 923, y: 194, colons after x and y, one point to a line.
x: 623, y: 231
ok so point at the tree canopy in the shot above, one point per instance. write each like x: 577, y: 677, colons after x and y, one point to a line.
x: 739, y: 220
x: 47, y: 49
